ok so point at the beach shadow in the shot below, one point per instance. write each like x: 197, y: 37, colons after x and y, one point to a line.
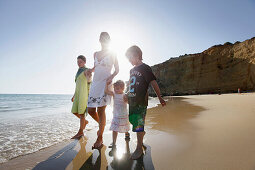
x: 123, y: 161
x: 96, y: 161
x: 62, y: 158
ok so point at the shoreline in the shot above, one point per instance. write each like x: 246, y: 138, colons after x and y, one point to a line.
x: 195, y: 132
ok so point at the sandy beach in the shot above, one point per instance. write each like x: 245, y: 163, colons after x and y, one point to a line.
x: 191, y: 132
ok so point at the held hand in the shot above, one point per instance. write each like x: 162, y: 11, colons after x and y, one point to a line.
x: 72, y: 99
x: 109, y: 80
x: 125, y: 98
x: 162, y: 101
x: 90, y: 71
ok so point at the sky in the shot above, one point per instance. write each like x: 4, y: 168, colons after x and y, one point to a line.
x: 40, y: 40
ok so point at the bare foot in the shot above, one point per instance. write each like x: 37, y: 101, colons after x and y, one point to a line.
x: 137, y: 154
x: 113, y: 151
x: 78, y: 135
x: 98, y: 143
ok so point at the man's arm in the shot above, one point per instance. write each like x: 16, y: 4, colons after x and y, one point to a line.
x: 155, y: 86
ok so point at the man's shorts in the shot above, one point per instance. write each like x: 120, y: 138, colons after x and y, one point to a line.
x: 137, y: 117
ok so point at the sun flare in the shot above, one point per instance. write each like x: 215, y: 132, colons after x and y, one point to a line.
x: 119, y: 44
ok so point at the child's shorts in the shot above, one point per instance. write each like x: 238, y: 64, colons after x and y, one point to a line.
x: 137, y: 117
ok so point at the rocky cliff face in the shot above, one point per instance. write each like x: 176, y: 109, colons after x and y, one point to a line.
x: 221, y: 68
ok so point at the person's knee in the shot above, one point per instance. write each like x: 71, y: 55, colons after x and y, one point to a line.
x: 92, y: 111
x: 82, y: 115
x: 101, y: 109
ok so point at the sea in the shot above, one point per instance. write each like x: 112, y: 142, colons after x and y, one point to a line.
x: 31, y: 122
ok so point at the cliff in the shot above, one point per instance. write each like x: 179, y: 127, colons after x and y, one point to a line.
x: 221, y: 68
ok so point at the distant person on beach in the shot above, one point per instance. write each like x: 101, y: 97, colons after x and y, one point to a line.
x: 104, y: 60
x: 141, y: 76
x: 120, y: 123
x: 80, y: 97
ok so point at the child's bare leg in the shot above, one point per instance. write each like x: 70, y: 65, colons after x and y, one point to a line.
x: 86, y: 122
x: 92, y: 112
x: 127, y: 148
x: 77, y: 115
x: 83, y: 123
x: 139, y: 148
x: 127, y: 136
x: 114, y: 137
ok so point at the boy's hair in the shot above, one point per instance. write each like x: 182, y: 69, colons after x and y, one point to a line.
x: 135, y: 51
x: 82, y: 57
x: 119, y: 83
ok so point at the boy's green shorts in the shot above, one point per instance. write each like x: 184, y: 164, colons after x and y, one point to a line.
x: 137, y: 117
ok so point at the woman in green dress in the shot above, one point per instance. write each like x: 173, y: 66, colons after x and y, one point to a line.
x: 80, y: 97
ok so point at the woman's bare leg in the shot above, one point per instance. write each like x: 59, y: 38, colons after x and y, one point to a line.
x: 102, y: 122
x: 92, y: 112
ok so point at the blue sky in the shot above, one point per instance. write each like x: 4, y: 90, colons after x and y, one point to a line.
x: 40, y: 40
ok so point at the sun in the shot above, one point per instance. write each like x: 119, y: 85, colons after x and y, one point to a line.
x: 119, y: 44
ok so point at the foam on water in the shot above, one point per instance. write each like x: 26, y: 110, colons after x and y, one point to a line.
x: 29, y: 123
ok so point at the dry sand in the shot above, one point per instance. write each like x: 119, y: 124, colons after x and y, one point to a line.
x: 211, y: 132
x: 191, y: 132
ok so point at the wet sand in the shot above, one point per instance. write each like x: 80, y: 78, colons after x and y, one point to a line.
x: 191, y: 132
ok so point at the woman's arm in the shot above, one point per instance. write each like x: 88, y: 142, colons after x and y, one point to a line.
x: 155, y: 86
x: 107, y: 91
x: 93, y: 69
x: 116, y: 70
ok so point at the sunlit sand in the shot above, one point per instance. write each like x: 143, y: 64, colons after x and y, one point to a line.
x: 191, y: 132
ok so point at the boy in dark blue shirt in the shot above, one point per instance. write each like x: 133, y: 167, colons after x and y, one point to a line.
x: 141, y: 76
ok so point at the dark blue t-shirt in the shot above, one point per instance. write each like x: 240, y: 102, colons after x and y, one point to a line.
x: 140, y: 78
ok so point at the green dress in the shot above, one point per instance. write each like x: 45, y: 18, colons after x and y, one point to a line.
x: 81, y: 92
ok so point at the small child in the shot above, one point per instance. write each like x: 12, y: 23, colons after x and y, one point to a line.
x: 80, y: 97
x: 141, y: 76
x: 120, y: 121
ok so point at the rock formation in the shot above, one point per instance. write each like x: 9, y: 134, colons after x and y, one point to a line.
x: 219, y: 69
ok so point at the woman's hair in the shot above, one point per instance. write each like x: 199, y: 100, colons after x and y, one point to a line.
x: 82, y: 57
x: 105, y: 37
x: 134, y: 51
x: 119, y: 83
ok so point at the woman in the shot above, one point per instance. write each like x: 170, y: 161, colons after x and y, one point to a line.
x: 104, y: 60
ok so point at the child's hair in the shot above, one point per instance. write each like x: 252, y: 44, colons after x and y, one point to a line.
x: 135, y: 51
x: 82, y: 57
x: 119, y: 83
x: 105, y: 37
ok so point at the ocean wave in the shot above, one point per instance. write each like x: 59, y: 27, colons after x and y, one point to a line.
x: 17, y: 109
